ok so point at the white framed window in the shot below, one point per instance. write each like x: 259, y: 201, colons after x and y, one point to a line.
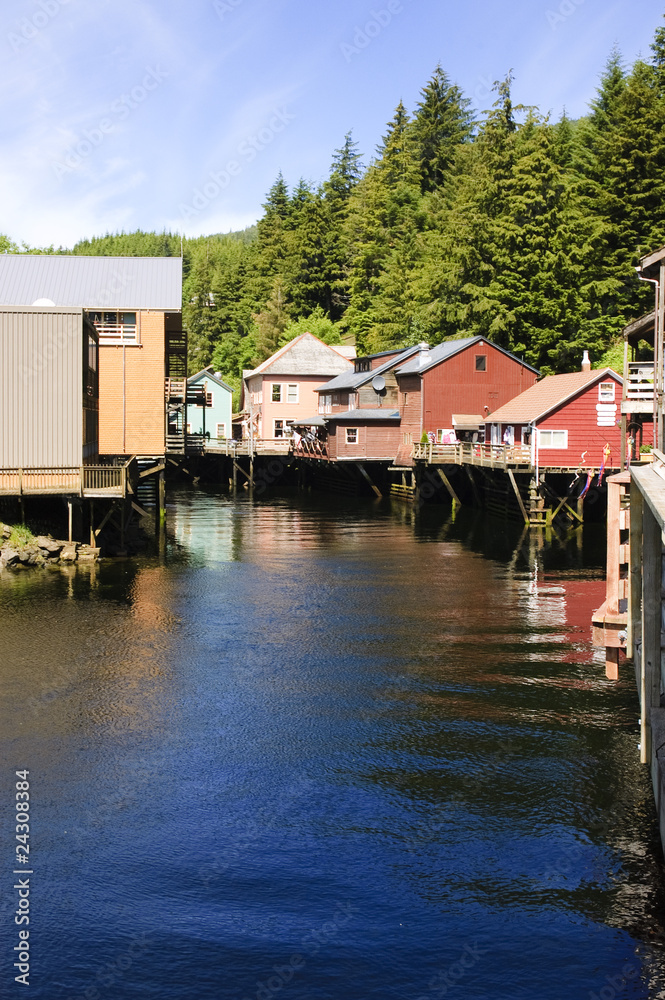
x: 352, y: 435
x: 292, y: 392
x: 353, y: 401
x: 276, y: 392
x: 257, y: 397
x: 282, y: 428
x: 552, y: 439
x: 325, y: 402
x: 115, y: 327
x: 606, y: 392
x: 220, y: 431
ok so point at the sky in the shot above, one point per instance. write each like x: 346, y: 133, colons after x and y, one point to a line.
x: 158, y: 114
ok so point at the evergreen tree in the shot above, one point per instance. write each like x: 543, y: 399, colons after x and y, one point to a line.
x: 442, y: 122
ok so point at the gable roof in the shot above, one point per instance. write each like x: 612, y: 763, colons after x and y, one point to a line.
x: 207, y: 373
x: 304, y: 355
x: 91, y: 282
x: 547, y: 395
x: 354, y: 379
x: 441, y: 352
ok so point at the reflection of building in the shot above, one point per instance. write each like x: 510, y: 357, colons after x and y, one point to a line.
x: 135, y: 304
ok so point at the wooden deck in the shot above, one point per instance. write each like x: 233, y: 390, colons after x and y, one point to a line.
x: 234, y: 448
x: 487, y: 456
x: 84, y: 481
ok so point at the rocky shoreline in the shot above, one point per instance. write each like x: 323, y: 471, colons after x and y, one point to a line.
x: 42, y: 550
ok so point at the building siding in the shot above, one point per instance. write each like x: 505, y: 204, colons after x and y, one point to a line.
x: 137, y: 427
x: 41, y: 405
x: 586, y: 440
x: 454, y: 386
x: 410, y: 406
x: 375, y: 441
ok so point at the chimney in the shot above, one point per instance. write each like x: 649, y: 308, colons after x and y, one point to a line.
x: 586, y: 364
x: 424, y: 355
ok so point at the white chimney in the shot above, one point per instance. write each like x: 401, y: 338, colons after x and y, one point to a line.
x: 586, y: 364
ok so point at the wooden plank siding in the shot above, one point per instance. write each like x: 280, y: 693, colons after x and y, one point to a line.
x: 132, y: 419
x: 454, y: 386
x: 375, y: 441
x: 410, y: 408
x: 586, y: 440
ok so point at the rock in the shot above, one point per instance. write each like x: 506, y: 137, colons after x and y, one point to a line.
x: 9, y: 556
x: 30, y: 556
x: 6, y: 530
x: 69, y: 552
x: 49, y: 545
x: 88, y: 553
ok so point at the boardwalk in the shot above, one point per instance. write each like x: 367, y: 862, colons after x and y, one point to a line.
x: 88, y: 481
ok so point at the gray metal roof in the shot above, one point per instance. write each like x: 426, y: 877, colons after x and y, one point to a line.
x: 92, y: 282
x: 205, y: 374
x: 353, y: 380
x: 441, y: 352
x: 362, y: 416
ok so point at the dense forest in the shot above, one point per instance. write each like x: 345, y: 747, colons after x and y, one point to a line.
x: 508, y: 225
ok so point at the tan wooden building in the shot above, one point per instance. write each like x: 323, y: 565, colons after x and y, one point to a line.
x: 135, y: 305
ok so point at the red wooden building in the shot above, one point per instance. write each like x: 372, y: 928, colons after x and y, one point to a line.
x: 568, y: 421
x: 467, y: 379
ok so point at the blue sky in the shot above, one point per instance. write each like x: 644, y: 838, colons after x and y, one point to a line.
x: 138, y: 113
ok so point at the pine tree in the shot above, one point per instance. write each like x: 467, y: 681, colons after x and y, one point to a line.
x: 443, y: 121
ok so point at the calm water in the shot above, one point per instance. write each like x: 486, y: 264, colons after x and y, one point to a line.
x: 326, y: 750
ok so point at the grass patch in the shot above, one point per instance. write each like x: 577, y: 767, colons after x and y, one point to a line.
x: 20, y: 536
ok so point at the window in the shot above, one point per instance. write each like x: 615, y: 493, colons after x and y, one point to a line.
x: 353, y: 401
x: 257, y: 397
x: 362, y: 365
x: 220, y: 431
x: 481, y: 362
x: 282, y: 428
x: 351, y: 435
x: 325, y: 402
x: 276, y: 392
x: 115, y: 327
x: 208, y: 401
x: 606, y: 392
x: 553, y: 439
x: 292, y: 393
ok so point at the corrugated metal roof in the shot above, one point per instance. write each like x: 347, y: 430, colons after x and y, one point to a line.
x: 441, y: 352
x: 92, y: 282
x: 304, y: 355
x: 551, y: 392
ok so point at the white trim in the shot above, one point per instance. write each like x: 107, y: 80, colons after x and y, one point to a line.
x: 552, y: 447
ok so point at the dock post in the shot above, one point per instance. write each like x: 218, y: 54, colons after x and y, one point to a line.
x: 652, y: 558
x: 70, y: 519
x: 634, y: 634
x: 92, y: 524
x: 162, y: 498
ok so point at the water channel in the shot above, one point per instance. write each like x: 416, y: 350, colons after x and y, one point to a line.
x: 331, y: 749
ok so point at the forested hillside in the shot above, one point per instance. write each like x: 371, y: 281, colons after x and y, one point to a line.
x: 508, y: 225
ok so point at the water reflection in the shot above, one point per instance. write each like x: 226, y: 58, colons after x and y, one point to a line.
x: 310, y: 704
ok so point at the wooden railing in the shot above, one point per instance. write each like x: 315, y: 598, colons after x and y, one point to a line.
x: 639, y: 384
x: 491, y: 456
x: 83, y: 480
x: 311, y: 449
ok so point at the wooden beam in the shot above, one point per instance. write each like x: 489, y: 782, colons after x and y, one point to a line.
x: 518, y: 495
x: 652, y: 558
x: 365, y: 475
x: 139, y: 509
x: 447, y: 484
x: 104, y: 520
x: 635, y: 592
